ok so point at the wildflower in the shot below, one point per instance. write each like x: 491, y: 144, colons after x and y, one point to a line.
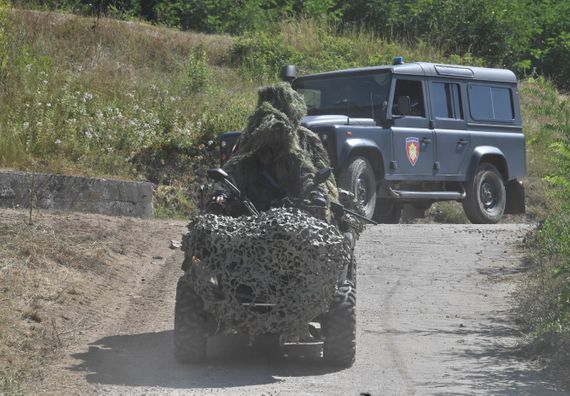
x: 45, y: 82
x: 58, y: 142
x: 26, y: 125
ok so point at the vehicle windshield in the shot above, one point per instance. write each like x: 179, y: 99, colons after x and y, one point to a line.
x: 358, y: 95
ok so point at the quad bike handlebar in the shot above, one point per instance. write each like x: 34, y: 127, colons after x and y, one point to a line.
x: 218, y: 174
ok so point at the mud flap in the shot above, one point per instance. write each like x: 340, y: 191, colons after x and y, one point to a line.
x: 515, y: 197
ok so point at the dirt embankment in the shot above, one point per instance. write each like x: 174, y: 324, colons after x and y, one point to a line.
x: 433, y: 315
x: 66, y: 277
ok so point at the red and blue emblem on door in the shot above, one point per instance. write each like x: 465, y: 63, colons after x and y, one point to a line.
x: 413, y: 149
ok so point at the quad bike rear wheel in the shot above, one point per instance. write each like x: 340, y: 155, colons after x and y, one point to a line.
x: 339, y: 348
x: 190, y: 324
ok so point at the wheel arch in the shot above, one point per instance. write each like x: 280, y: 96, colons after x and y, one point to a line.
x: 363, y: 148
x: 491, y: 155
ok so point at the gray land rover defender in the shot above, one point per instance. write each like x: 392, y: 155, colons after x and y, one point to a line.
x: 418, y: 133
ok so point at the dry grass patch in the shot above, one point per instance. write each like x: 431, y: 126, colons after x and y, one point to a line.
x: 42, y: 273
x: 64, y: 277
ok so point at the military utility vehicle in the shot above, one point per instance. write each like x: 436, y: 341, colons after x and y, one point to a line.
x: 418, y: 133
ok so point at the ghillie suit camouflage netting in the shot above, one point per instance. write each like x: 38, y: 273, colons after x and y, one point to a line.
x: 274, y: 144
x: 283, y: 257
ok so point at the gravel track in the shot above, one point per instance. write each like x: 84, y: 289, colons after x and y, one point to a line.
x: 433, y: 318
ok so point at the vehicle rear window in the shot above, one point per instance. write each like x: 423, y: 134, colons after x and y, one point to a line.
x: 489, y: 103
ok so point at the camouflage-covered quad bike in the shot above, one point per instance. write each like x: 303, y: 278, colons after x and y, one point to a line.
x: 282, y: 273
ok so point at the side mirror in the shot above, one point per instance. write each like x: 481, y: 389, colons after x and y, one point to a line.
x: 404, y: 105
x: 321, y: 176
x: 288, y: 73
x: 217, y: 174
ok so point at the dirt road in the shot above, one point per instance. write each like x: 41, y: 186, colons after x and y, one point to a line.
x: 433, y: 318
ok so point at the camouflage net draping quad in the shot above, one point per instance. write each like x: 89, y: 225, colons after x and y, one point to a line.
x: 283, y: 257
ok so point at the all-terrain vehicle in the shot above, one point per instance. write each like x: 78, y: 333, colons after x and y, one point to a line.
x: 282, y: 274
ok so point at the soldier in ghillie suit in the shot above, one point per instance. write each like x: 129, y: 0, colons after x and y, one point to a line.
x: 274, y: 273
x: 276, y: 157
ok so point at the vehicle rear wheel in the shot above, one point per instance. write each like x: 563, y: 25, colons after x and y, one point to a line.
x: 339, y: 347
x: 190, y: 324
x: 485, y: 196
x: 387, y: 211
x: 359, y: 179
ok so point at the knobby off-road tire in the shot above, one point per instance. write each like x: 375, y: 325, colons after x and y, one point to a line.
x: 270, y: 346
x: 339, y: 347
x: 387, y: 211
x: 190, y: 325
x: 486, y: 196
x: 359, y: 179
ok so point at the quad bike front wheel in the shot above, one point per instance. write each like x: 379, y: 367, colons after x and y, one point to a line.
x: 190, y: 324
x: 339, y: 348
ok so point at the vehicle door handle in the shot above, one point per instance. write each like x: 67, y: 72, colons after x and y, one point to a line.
x: 425, y: 140
x: 462, y: 142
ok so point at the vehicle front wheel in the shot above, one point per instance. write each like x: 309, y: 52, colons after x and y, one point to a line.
x: 339, y: 347
x: 190, y: 324
x: 485, y: 197
x: 359, y: 179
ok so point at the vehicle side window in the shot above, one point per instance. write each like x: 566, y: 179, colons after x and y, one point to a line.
x: 491, y: 103
x: 413, y: 90
x: 446, y: 100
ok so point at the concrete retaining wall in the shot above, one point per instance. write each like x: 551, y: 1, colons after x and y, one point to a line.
x: 72, y: 193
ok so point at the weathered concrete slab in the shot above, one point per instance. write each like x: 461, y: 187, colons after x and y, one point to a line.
x: 73, y: 193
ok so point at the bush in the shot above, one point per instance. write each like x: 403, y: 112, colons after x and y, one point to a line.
x: 316, y: 46
x: 197, y: 70
x: 546, y: 301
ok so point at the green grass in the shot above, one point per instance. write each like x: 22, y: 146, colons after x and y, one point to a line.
x: 545, y: 299
x: 96, y: 97
x: 85, y: 98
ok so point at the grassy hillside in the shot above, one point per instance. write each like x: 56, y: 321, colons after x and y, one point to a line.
x: 545, y: 298
x: 129, y: 100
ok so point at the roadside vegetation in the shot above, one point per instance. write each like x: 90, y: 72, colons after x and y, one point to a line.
x: 124, y: 99
x: 545, y: 299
